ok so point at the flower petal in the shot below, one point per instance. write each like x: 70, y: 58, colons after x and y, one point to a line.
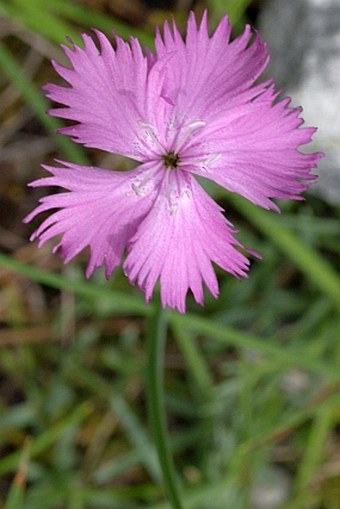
x: 102, y: 210
x: 110, y: 93
x: 177, y: 241
x: 254, y: 151
x: 207, y: 72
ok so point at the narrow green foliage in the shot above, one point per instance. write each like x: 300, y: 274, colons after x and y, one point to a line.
x: 90, y: 19
x: 308, y: 260
x: 246, y: 397
x: 46, y: 439
x: 234, y: 8
x: 118, y: 301
x: 38, y: 19
x: 156, y: 339
x: 15, y: 499
x: 11, y: 68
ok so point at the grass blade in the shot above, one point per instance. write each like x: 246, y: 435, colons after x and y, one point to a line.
x: 119, y: 301
x: 38, y: 103
x: 15, y: 499
x: 307, y: 259
x: 44, y: 441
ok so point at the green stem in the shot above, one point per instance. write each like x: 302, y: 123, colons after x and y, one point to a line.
x: 155, y: 395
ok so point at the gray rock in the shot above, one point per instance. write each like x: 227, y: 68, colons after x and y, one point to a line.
x: 272, y: 488
x: 303, y: 38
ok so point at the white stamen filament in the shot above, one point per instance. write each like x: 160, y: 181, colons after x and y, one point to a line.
x: 203, y: 164
x: 151, y: 132
x: 145, y: 182
x: 171, y: 193
x: 139, y: 188
x: 196, y: 125
x: 184, y: 133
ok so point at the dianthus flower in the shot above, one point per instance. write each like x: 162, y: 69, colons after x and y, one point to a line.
x: 193, y: 108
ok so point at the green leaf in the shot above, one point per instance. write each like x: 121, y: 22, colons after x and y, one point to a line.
x: 37, y: 103
x: 46, y: 439
x: 308, y: 260
x: 15, y: 498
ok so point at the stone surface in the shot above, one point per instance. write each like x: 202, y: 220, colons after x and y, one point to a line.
x: 272, y: 488
x: 303, y: 37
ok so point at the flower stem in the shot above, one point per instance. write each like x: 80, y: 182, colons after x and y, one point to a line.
x: 155, y: 395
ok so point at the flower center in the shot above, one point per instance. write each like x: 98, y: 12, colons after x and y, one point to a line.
x: 171, y: 160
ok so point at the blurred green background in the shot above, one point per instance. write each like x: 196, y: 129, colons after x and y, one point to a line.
x: 252, y: 379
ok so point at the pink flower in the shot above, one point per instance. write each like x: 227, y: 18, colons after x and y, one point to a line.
x: 194, y: 108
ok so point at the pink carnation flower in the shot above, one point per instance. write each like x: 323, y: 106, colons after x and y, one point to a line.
x: 194, y: 108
